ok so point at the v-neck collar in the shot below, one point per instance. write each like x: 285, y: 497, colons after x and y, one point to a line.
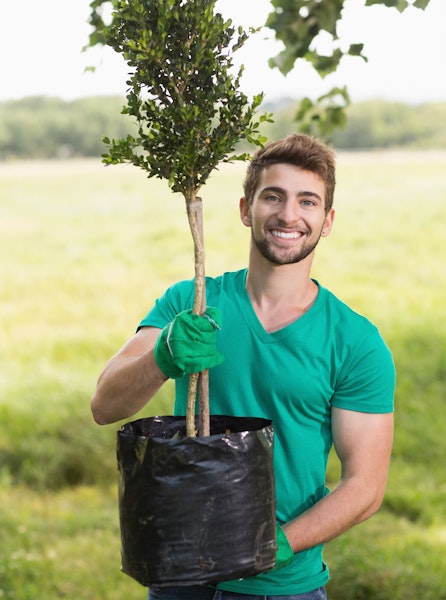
x: 257, y: 327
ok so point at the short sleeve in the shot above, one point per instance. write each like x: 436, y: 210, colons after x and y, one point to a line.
x: 367, y: 381
x: 176, y: 298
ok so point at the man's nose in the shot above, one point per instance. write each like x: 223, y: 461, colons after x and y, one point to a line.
x: 289, y: 212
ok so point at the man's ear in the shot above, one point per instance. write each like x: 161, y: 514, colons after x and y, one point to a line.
x: 245, y: 212
x: 328, y: 224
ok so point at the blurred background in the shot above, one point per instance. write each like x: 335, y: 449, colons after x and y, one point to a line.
x: 85, y: 250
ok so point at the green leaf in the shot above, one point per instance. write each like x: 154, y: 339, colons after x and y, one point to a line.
x: 421, y: 4
x: 325, y: 114
x: 400, y: 5
x: 356, y: 50
x: 325, y: 65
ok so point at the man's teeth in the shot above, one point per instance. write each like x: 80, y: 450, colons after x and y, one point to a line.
x: 292, y: 235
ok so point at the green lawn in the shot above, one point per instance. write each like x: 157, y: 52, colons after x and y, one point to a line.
x: 86, y: 249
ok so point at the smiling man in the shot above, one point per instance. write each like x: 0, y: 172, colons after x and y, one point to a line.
x: 288, y: 350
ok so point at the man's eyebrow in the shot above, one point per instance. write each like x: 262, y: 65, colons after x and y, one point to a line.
x: 309, y: 194
x: 273, y: 188
x: 279, y: 190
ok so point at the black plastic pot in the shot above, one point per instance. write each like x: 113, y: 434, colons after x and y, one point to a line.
x: 196, y: 511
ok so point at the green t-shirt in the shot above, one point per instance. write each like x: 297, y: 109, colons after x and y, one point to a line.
x: 331, y: 356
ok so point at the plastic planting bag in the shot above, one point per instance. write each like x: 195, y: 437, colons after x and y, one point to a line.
x: 196, y: 510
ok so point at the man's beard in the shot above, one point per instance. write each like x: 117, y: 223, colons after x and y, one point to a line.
x: 278, y: 258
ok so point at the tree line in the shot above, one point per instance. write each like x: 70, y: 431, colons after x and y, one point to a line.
x: 45, y: 127
x: 375, y: 124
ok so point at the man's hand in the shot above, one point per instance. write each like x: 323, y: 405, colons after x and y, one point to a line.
x: 188, y: 344
x: 285, y: 554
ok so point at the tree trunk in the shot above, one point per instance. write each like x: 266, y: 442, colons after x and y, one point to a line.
x: 198, y: 381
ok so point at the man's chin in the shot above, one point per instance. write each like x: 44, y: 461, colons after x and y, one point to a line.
x: 281, y: 256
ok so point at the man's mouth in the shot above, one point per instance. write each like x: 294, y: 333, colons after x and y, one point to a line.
x: 286, y: 235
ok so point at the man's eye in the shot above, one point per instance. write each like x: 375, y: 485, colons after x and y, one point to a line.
x: 308, y: 202
x: 273, y: 198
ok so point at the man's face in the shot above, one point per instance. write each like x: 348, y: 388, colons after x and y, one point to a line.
x: 287, y: 214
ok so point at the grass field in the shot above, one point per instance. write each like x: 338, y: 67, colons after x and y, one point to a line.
x: 86, y: 249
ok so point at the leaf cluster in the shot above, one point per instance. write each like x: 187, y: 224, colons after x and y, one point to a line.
x: 297, y: 23
x: 182, y: 92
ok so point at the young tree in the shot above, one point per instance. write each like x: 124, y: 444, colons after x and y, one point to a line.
x: 189, y: 111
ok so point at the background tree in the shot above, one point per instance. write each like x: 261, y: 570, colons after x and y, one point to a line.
x: 296, y: 24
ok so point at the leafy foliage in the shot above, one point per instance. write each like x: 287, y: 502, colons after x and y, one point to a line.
x: 182, y: 93
x: 325, y: 114
x: 399, y: 4
x: 297, y: 23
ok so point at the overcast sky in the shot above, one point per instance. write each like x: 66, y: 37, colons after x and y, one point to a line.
x: 41, y: 53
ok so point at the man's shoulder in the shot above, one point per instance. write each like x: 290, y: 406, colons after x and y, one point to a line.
x: 230, y: 281
x: 344, y: 310
x: 347, y: 323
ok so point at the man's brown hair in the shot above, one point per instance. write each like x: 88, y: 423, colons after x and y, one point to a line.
x: 300, y: 150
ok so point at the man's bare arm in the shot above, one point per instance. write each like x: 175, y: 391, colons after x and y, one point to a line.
x: 363, y: 443
x: 129, y: 380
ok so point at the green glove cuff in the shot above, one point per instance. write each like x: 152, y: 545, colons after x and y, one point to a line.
x: 285, y: 554
x: 163, y: 357
x: 188, y: 344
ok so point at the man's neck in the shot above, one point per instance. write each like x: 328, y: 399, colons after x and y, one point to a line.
x: 280, y: 294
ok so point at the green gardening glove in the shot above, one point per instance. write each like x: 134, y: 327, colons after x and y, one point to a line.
x: 188, y: 343
x: 284, y: 554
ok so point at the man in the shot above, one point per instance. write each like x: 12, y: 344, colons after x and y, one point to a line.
x: 292, y: 353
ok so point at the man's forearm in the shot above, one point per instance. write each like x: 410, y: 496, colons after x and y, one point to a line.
x: 125, y: 386
x: 350, y: 503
